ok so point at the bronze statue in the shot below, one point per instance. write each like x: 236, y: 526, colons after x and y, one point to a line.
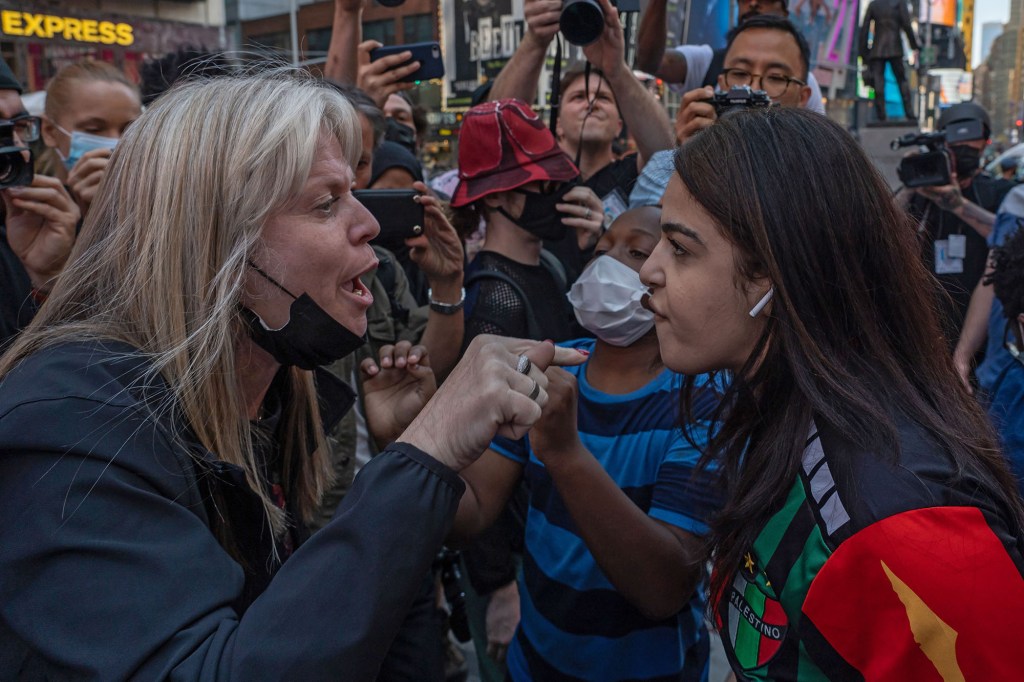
x: 888, y: 17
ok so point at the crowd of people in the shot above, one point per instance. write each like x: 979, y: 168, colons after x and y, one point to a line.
x: 609, y: 415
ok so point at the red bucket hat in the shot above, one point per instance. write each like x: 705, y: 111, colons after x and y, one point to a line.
x: 504, y: 145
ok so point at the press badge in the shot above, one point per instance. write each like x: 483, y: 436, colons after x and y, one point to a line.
x: 957, y: 246
x: 946, y: 264
x: 614, y: 206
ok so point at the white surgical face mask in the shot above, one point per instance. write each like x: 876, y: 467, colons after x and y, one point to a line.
x: 606, y: 300
x: 82, y: 143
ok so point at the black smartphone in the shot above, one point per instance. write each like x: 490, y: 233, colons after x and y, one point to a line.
x: 427, y: 54
x: 399, y: 216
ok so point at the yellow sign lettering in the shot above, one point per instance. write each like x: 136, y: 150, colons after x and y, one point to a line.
x: 72, y: 29
x: 34, y: 24
x: 51, y: 26
x: 54, y: 25
x: 10, y: 22
x: 89, y: 31
x: 106, y: 32
x: 124, y: 34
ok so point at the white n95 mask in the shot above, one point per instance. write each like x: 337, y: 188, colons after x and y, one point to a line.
x: 606, y: 300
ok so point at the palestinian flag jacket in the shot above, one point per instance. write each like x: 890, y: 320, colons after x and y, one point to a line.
x: 879, y: 571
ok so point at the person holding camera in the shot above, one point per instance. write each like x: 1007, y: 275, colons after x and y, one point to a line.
x: 154, y: 519
x: 766, y: 53
x: 690, y: 67
x: 40, y: 217
x: 954, y: 221
x: 592, y: 111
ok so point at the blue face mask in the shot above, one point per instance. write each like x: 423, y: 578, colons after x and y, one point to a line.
x: 82, y: 143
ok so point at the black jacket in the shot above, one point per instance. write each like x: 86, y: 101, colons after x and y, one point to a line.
x: 109, y: 568
x: 16, y: 305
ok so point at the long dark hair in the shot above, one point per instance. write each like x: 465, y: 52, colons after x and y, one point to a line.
x: 853, y: 335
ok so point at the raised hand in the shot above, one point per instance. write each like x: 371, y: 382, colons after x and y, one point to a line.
x: 694, y: 113
x: 41, y: 225
x: 542, y: 19
x: 438, y: 251
x: 608, y: 53
x: 556, y: 433
x: 382, y: 78
x: 395, y: 389
x: 84, y: 179
x: 584, y: 212
x: 485, y: 396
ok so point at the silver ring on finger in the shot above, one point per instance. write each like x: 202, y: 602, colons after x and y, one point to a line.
x: 587, y: 215
x: 536, y: 390
x: 523, y: 366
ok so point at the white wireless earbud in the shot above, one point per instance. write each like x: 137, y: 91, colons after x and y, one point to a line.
x: 756, y: 310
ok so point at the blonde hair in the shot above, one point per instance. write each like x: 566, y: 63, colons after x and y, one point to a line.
x: 60, y: 98
x: 59, y: 89
x: 161, y: 259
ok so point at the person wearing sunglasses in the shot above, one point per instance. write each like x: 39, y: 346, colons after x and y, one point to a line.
x: 89, y: 105
x: 39, y: 221
x: 764, y: 52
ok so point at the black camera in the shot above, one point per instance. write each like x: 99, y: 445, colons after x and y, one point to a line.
x: 931, y: 168
x: 739, y: 97
x: 582, y: 21
x: 15, y: 161
x: 451, y: 580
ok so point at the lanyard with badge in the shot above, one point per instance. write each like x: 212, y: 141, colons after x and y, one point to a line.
x: 951, y: 251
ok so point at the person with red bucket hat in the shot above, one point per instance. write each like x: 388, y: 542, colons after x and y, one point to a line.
x: 513, y: 174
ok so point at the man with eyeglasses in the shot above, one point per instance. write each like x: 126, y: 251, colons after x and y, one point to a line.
x: 689, y: 67
x: 765, y: 53
x: 39, y: 222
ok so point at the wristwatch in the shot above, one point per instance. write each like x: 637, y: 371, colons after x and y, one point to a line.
x: 446, y: 308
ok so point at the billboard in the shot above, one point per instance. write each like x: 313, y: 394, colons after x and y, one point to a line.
x: 942, y: 12
x: 480, y: 36
x: 831, y: 32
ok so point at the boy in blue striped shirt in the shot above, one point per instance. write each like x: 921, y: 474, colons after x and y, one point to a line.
x: 611, y: 584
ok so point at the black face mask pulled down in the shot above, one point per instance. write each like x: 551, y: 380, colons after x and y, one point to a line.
x: 540, y: 217
x: 967, y: 160
x: 311, y: 338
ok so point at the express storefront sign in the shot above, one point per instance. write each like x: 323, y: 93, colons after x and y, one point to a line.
x: 54, y: 27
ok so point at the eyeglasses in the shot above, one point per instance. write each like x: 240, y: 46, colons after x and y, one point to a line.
x: 774, y: 84
x: 25, y: 127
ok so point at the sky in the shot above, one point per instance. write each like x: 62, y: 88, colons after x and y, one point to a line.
x: 987, y: 10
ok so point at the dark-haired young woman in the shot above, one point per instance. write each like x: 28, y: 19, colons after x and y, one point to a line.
x: 872, y: 530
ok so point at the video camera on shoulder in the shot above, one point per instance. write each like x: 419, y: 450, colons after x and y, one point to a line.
x: 15, y: 170
x: 932, y: 168
x: 739, y: 97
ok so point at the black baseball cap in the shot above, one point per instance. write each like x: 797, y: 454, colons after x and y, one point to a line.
x: 956, y: 122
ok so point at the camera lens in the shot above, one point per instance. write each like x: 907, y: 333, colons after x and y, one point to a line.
x: 7, y: 170
x: 581, y: 21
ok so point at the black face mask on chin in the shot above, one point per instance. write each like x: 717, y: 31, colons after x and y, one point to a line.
x: 540, y: 216
x: 311, y: 338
